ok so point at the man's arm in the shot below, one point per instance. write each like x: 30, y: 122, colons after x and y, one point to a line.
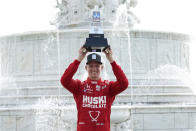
x: 122, y: 82
x: 66, y: 79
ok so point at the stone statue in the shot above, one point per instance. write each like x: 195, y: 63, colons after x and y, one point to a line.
x: 92, y: 3
x: 76, y: 13
x: 62, y: 6
x: 131, y: 17
x: 62, y: 14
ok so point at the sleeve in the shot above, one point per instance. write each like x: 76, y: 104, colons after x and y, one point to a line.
x: 67, y: 81
x: 121, y: 83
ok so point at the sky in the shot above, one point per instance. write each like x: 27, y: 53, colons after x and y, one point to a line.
x: 19, y: 16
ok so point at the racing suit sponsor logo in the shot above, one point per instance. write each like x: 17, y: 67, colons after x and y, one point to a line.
x: 93, y: 82
x: 94, y: 102
x: 88, y: 89
x: 98, y: 88
x: 103, y: 87
x: 94, y: 117
x: 81, y: 123
x: 99, y: 124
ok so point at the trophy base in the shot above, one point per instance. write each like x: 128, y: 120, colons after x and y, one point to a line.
x: 96, y: 49
x: 96, y: 43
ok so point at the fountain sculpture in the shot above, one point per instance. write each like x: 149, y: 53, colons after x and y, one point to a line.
x: 158, y: 98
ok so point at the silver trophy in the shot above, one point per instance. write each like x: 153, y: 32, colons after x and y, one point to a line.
x: 96, y: 41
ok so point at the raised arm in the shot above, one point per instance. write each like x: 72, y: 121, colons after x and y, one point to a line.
x: 67, y: 78
x: 121, y: 82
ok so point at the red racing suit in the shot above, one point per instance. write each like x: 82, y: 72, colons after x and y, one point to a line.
x: 94, y: 98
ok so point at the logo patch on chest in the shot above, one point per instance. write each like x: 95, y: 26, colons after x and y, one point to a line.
x: 103, y: 87
x: 88, y: 89
x: 98, y: 88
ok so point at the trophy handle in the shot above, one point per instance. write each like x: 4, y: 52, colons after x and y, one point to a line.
x: 106, y: 49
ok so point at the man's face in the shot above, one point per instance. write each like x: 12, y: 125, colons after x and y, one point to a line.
x: 94, y: 69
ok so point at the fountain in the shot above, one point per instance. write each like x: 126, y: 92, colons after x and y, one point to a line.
x: 158, y: 98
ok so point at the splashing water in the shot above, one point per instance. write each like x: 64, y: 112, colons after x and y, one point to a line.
x: 122, y: 17
x: 164, y: 75
x: 53, y: 114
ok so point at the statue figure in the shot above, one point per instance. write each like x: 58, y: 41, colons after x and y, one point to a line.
x: 78, y: 13
x: 62, y: 6
x: 125, y: 15
x: 92, y: 3
x: 62, y: 14
x: 131, y: 17
x: 133, y: 3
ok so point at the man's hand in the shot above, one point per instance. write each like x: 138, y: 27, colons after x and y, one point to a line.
x: 108, y: 53
x: 81, y: 53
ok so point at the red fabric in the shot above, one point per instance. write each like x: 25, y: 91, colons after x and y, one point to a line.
x: 94, y: 98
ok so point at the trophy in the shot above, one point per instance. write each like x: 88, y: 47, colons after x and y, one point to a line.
x: 96, y: 41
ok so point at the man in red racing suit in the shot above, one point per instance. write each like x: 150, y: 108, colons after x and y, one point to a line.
x: 94, y: 96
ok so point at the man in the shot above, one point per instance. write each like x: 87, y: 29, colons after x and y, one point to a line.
x: 94, y: 96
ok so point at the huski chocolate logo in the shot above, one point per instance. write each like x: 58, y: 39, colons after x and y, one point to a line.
x: 94, y: 102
